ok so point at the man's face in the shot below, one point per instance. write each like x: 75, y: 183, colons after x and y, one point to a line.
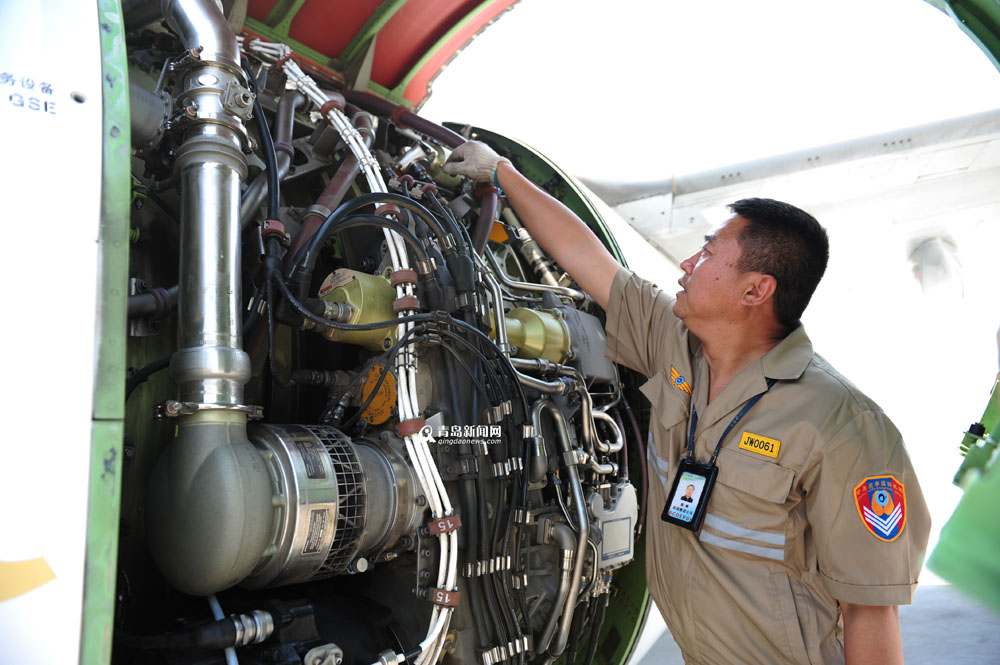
x: 712, y: 286
x: 689, y: 492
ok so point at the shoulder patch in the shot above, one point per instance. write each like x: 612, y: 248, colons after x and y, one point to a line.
x: 761, y: 445
x: 881, y: 503
x: 679, y: 381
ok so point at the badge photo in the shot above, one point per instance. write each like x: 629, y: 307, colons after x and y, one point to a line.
x: 881, y: 504
x: 688, y: 497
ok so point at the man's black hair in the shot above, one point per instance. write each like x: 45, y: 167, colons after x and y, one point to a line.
x: 788, y: 244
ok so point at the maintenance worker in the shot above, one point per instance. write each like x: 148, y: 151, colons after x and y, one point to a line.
x: 810, y: 527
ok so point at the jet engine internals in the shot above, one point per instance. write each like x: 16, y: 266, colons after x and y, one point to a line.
x: 388, y: 432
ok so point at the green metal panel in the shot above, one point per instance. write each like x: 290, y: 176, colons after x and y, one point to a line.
x: 980, y: 19
x: 104, y: 495
x: 282, y: 15
x: 371, y: 28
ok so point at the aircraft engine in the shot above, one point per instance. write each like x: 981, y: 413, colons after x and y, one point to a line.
x: 388, y: 432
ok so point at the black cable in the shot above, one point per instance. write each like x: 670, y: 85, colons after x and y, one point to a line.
x: 270, y: 157
x: 270, y: 336
x: 596, y: 624
x: 355, y: 221
x: 390, y: 354
x: 468, y: 370
x: 306, y: 257
x: 140, y: 376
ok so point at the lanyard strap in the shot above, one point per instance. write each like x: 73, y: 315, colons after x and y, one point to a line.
x: 732, y: 423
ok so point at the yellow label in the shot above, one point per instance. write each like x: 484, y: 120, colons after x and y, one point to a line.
x: 18, y: 577
x: 762, y: 445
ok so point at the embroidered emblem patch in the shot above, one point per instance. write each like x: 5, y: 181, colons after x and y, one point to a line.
x: 678, y: 380
x: 881, y: 502
x: 762, y: 445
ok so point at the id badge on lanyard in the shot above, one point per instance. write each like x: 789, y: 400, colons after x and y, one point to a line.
x: 689, y: 494
x: 693, y: 483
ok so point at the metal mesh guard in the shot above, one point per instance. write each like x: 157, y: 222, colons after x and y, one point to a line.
x: 350, y: 504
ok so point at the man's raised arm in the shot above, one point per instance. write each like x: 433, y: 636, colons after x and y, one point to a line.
x: 554, y: 227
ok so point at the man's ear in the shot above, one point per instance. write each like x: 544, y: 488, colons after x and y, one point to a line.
x: 759, y: 289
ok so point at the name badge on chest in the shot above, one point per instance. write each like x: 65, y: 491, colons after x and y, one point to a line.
x: 692, y: 488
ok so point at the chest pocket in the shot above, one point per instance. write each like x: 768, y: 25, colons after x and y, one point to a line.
x: 749, y: 500
x: 667, y: 412
x: 670, y: 405
x: 764, y: 480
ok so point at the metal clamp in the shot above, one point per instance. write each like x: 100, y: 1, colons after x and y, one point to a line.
x: 508, y: 466
x: 317, y: 209
x: 426, y: 267
x: 493, y: 415
x: 174, y: 408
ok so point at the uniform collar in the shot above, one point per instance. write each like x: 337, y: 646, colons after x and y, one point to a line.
x: 786, y: 361
x: 789, y: 358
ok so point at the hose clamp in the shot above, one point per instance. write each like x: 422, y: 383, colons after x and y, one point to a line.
x: 175, y: 408
x: 317, y: 209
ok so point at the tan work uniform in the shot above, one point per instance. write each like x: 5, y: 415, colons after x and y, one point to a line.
x: 792, y: 521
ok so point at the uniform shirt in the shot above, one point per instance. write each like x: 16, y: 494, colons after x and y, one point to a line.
x: 819, y: 503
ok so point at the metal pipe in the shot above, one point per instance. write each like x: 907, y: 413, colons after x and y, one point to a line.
x: 156, y: 302
x: 499, y: 320
x: 542, y: 386
x: 545, y: 406
x: 564, y: 537
x: 209, y: 499
x: 253, y: 196
x: 197, y: 23
x: 606, y: 469
x: 526, y: 286
x: 148, y: 111
x: 591, y: 440
x: 335, y: 190
x: 618, y: 443
x: 530, y: 250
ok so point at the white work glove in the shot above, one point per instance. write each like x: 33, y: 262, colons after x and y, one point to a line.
x: 475, y: 160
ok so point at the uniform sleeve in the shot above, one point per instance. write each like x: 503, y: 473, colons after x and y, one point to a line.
x: 641, y: 324
x: 867, y: 514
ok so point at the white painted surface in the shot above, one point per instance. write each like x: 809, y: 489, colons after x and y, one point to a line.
x: 50, y: 203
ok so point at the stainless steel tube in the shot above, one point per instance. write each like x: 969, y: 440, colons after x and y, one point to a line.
x: 209, y: 508
x: 526, y: 286
x: 611, y: 446
x: 210, y: 366
x: 197, y: 23
x: 565, y: 538
x: 562, y: 432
